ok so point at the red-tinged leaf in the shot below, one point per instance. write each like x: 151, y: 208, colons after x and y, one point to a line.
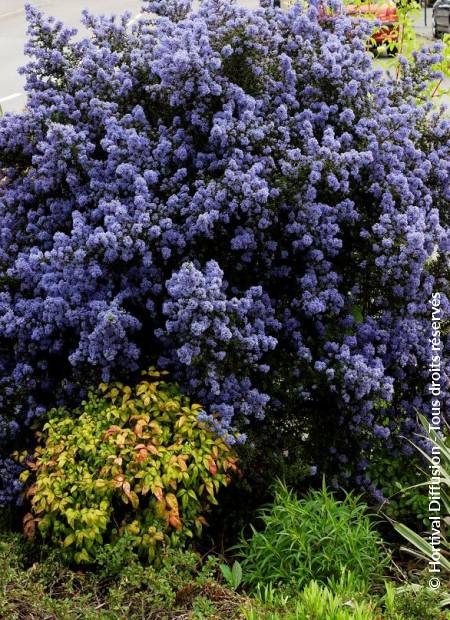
x: 143, y: 454
x: 175, y: 522
x: 111, y: 431
x: 126, y: 488
x: 158, y: 493
x: 31, y: 491
x: 212, y: 467
x: 119, y: 480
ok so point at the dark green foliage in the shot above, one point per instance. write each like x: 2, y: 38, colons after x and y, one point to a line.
x: 395, y: 481
x: 266, y: 456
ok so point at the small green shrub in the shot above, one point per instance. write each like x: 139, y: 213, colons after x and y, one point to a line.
x: 413, y: 602
x: 317, y: 537
x: 315, y: 602
x: 129, y: 461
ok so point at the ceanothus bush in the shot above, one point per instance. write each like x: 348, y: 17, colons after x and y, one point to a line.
x: 236, y: 196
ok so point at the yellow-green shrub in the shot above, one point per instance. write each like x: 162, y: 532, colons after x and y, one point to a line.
x: 129, y: 460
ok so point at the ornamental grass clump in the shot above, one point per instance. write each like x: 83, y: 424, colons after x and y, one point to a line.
x: 317, y: 537
x: 132, y: 462
x: 236, y: 196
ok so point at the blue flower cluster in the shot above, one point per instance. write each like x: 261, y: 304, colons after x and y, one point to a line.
x: 11, y: 489
x: 237, y: 195
x: 218, y: 343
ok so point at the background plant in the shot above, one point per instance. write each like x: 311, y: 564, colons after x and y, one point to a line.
x: 233, y: 575
x: 130, y: 461
x: 409, y: 44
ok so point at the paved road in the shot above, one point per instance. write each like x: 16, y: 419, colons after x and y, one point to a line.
x: 13, y: 27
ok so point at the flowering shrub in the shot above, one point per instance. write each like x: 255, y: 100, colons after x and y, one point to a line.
x: 236, y: 196
x: 142, y: 447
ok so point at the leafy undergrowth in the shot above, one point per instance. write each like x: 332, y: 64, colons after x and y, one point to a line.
x: 314, y: 557
x: 40, y: 586
x: 317, y: 537
x: 46, y: 589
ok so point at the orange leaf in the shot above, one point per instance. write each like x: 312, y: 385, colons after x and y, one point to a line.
x: 29, y: 525
x: 212, y: 467
x: 31, y: 491
x: 175, y: 522
x: 139, y: 427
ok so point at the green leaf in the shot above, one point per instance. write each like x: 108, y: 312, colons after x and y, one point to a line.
x: 425, y: 548
x: 357, y: 314
x: 237, y: 574
x: 226, y: 572
x: 81, y: 556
